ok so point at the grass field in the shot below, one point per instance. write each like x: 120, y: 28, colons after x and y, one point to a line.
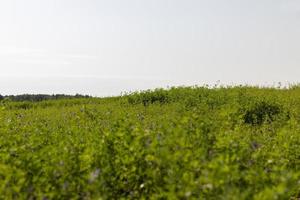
x: 181, y: 143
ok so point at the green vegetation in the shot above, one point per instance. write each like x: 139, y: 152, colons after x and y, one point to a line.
x: 41, y: 97
x: 181, y: 143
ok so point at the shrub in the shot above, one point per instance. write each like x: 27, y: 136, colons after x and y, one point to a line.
x: 149, y: 97
x: 261, y: 112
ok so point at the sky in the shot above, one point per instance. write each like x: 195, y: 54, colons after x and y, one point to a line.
x: 102, y: 47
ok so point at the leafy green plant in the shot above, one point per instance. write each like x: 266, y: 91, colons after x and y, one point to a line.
x: 261, y: 112
x: 179, y: 143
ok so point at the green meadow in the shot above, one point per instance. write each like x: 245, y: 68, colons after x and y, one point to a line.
x: 177, y: 143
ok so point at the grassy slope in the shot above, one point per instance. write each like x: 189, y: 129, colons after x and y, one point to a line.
x: 185, y: 143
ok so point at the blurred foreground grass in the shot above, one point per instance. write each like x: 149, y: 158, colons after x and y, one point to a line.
x: 181, y: 143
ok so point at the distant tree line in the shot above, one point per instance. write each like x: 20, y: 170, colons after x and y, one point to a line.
x: 41, y: 97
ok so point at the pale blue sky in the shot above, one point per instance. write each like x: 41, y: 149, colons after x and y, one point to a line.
x: 104, y: 47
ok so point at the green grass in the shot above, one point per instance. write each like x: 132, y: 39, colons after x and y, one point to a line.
x: 181, y: 143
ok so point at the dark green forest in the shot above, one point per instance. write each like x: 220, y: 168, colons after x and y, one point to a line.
x: 40, y: 97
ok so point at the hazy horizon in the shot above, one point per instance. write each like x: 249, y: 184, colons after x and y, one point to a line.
x: 104, y: 48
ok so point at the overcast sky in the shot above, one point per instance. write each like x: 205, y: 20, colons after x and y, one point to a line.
x: 103, y: 47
